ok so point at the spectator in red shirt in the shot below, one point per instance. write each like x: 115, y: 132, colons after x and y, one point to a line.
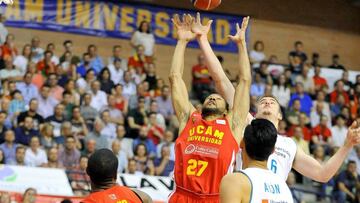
x: 138, y: 60
x: 303, y: 121
x: 155, y: 132
x: 319, y: 81
x: 339, y: 90
x: 46, y: 66
x: 9, y: 49
x: 321, y: 134
x: 201, y: 81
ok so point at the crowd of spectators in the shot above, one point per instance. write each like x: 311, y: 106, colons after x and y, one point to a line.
x: 55, y: 111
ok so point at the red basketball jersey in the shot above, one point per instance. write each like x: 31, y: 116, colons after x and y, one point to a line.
x: 115, y: 194
x: 204, y: 152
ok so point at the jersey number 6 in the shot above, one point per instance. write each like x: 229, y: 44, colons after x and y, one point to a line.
x: 196, y: 167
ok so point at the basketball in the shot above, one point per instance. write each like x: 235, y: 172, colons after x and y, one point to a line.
x: 206, y: 4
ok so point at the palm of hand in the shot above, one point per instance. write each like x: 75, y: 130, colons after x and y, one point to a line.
x: 185, y: 33
x: 199, y: 29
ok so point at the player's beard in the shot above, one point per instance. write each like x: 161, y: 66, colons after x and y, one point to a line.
x: 210, y: 112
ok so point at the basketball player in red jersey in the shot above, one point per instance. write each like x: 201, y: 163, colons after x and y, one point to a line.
x: 209, y: 140
x: 102, y: 169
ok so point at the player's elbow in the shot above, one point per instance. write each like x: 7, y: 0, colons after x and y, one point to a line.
x: 322, y: 177
x: 174, y: 77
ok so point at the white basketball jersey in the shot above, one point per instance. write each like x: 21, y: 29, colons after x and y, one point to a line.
x: 280, y: 162
x: 267, y: 187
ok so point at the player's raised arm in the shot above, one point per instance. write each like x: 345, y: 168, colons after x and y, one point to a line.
x: 239, y: 111
x: 179, y: 94
x: 309, y: 167
x: 222, y: 84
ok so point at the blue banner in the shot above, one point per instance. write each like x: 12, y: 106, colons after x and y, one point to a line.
x: 107, y: 19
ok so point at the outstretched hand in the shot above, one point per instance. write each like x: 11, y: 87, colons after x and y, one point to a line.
x: 183, y: 27
x: 240, y: 32
x: 353, y: 135
x: 200, y: 29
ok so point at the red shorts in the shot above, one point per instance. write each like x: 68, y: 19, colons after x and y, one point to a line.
x: 184, y: 196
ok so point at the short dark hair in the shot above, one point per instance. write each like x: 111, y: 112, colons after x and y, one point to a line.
x: 102, y: 166
x: 19, y: 148
x: 66, y: 93
x: 298, y: 42
x: 260, y: 138
x: 3, y: 112
x: 140, y: 25
x: 66, y: 42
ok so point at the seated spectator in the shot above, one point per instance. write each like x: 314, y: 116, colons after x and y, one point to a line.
x: 129, y: 86
x: 137, y: 118
x: 345, y: 111
x: 120, y: 154
x: 10, y: 72
x: 56, y: 91
x: 303, y: 124
x: 79, y: 180
x: 121, y: 102
x: 164, y: 101
x: 281, y: 91
x: 293, y: 114
x: 67, y: 101
x: 155, y: 132
x: 117, y: 71
x: 154, y: 108
x: 164, y: 166
x: 144, y: 36
x: 46, y: 102
x: 201, y: 81
x: 321, y: 134
x: 9, y: 147
x: 8, y: 86
x: 3, y: 128
x: 84, y: 66
x: 258, y: 87
x: 335, y: 63
x: 53, y: 159
x: 257, y: 54
x: 37, y: 53
x: 8, y: 48
x: 115, y: 115
x: 105, y: 80
x: 95, y: 60
x: 282, y: 130
x: 339, y: 131
x: 316, y: 115
x: 20, y: 156
x: 296, y: 65
x: 98, y: 100
x: 299, y: 47
x: 133, y: 169
x: 320, y: 98
x: 346, y: 184
x: 29, y: 195
x: 66, y: 66
x: 298, y: 138
x: 84, y: 85
x: 24, y: 133
x: 54, y: 58
x: 66, y: 131
x: 28, y: 90
x: 355, y: 156
x: 126, y: 143
x: 78, y: 123
x: 264, y: 73
x: 345, y: 78
x: 143, y: 162
x: 337, y: 106
x: 339, y: 90
x: 34, y: 155
x: 319, y: 82
x: 116, y: 55
x: 88, y: 112
x: 56, y: 120
x: 109, y: 129
x: 305, y: 99
x: 159, y: 84
x: 140, y: 92
x: 38, y: 79
x: 68, y: 45
x: 138, y: 60
x: 47, y: 136
x: 151, y: 76
x: 69, y: 155
x: 101, y: 139
x: 46, y: 66
x: 315, y: 60
x: 90, y: 147
x: 307, y: 82
x: 143, y: 139
x: 38, y: 120
x: 17, y: 104
x: 70, y: 87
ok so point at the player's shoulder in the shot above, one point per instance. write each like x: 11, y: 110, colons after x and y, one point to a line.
x: 283, y: 140
x: 236, y: 180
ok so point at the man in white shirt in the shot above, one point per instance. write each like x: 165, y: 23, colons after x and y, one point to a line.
x: 126, y: 143
x: 339, y: 131
x: 117, y: 55
x: 99, y: 98
x: 37, y: 51
x: 46, y: 102
x: 120, y: 154
x: 109, y: 129
x: 116, y: 71
x: 34, y: 156
x: 129, y: 87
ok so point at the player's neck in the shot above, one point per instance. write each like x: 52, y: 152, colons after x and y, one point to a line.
x: 97, y: 188
x: 212, y: 117
x: 257, y: 164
